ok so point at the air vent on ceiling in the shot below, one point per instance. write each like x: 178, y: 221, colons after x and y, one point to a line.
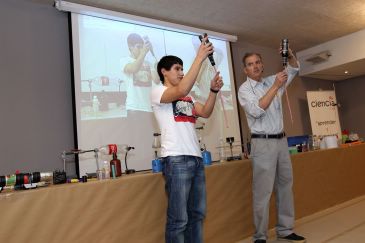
x: 319, y: 57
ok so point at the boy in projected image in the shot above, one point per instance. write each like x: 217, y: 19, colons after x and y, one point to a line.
x: 139, y: 76
x: 176, y: 113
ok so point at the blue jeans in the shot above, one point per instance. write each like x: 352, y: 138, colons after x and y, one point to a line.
x: 185, y: 187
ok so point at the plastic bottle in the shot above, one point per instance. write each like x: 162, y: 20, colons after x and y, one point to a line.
x: 310, y: 143
x: 207, y: 157
x: 115, y: 165
x: 222, y: 156
x: 304, y: 146
x: 95, y: 104
x: 156, y: 165
x: 106, y: 169
x: 100, y: 174
x: 315, y: 142
x: 113, y: 148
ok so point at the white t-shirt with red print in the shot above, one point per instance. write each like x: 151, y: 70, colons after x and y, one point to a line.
x: 177, y: 124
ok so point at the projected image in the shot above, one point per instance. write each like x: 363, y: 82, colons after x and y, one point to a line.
x: 102, y: 97
x: 115, y: 67
x: 118, y: 66
x: 139, y: 73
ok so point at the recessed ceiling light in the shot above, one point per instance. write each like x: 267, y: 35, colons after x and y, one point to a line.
x: 346, y: 72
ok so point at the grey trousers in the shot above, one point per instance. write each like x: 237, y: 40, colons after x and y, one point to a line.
x: 272, y: 169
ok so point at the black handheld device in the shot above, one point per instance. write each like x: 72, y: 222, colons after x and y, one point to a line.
x: 210, y: 56
x: 285, y: 51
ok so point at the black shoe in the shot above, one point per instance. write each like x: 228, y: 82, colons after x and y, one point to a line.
x: 260, y: 241
x: 292, y: 238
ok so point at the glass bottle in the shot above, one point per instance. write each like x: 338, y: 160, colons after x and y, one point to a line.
x: 115, y: 165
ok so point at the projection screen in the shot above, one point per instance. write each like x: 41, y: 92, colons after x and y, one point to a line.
x: 113, y: 107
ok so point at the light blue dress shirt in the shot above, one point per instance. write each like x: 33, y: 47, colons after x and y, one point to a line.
x: 260, y: 121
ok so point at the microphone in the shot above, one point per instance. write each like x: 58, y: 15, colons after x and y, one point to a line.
x: 128, y: 171
x: 210, y: 56
x: 285, y: 51
x: 129, y: 148
x: 147, y: 40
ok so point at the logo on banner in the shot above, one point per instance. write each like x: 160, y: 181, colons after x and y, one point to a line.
x: 323, y: 113
x: 323, y: 103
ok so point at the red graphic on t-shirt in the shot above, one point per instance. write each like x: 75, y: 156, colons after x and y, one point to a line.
x: 184, y: 110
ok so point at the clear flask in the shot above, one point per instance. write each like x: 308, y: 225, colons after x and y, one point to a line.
x: 113, y: 148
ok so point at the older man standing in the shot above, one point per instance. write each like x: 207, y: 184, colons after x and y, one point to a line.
x: 260, y: 97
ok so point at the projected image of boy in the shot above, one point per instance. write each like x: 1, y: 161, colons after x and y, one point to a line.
x: 138, y: 74
x: 176, y: 113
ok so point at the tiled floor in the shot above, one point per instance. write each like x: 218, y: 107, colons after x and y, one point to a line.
x: 343, y: 223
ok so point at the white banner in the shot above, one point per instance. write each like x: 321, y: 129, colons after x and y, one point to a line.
x: 324, y: 113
